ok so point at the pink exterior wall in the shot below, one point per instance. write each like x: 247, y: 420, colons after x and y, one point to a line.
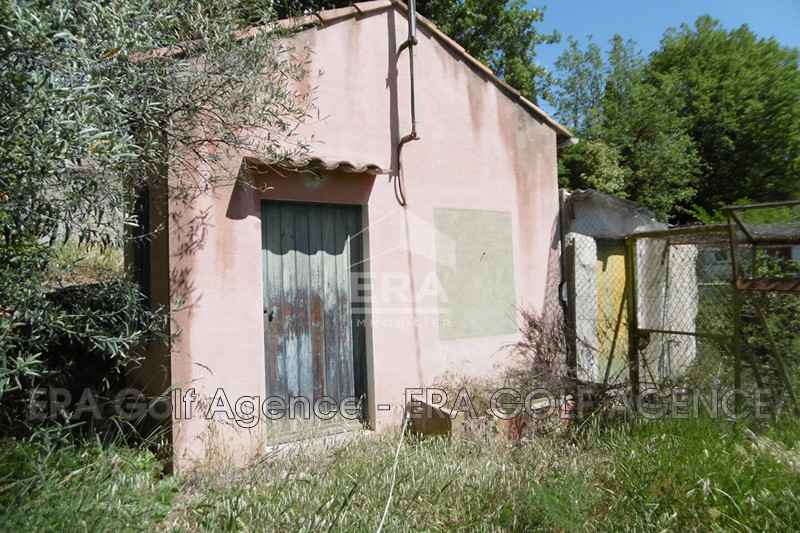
x: 478, y: 150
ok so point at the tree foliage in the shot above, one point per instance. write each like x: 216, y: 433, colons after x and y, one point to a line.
x: 740, y: 97
x: 501, y: 34
x: 578, y: 94
x: 98, y: 98
x: 633, y: 144
x: 711, y: 117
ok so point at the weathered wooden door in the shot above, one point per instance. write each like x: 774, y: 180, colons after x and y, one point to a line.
x: 313, y: 326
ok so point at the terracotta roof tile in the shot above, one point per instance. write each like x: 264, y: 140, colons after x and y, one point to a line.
x: 321, y: 162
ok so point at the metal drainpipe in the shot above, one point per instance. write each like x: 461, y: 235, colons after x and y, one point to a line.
x: 411, y: 43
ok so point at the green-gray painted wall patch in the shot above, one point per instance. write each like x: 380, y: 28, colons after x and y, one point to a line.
x: 476, y: 290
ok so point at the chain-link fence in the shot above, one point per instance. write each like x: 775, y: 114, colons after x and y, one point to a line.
x: 698, y: 307
x: 683, y: 303
x: 765, y: 256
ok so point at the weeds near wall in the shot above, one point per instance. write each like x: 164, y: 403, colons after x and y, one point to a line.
x: 540, y: 358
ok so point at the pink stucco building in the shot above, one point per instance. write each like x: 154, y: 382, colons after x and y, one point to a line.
x: 371, y: 269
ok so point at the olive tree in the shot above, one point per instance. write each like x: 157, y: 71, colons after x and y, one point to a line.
x: 99, y: 97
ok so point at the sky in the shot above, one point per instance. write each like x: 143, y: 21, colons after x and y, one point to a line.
x: 645, y: 21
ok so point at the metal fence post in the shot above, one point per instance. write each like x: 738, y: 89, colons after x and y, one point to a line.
x: 736, y: 304
x: 633, y: 315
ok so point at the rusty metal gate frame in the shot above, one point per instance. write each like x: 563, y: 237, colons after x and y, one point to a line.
x: 742, y: 285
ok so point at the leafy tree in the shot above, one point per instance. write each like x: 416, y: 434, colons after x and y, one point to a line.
x: 650, y: 134
x: 578, y: 94
x: 740, y: 96
x: 593, y: 164
x: 98, y: 98
x: 501, y: 34
x: 633, y: 145
x: 712, y: 117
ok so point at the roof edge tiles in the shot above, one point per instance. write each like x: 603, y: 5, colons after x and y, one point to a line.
x: 319, y: 163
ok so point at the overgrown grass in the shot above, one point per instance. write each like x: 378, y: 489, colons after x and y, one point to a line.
x: 682, y: 475
x: 687, y: 475
x: 81, y: 488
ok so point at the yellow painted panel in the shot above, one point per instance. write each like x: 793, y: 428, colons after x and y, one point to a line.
x: 612, y: 312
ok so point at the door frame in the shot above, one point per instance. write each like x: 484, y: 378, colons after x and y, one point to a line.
x: 363, y: 382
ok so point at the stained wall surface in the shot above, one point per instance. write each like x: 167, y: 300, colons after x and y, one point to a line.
x: 444, y: 275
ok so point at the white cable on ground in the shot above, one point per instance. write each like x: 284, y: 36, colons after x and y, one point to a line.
x: 394, y: 473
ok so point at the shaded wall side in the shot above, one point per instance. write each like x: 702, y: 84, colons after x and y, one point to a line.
x: 152, y: 376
